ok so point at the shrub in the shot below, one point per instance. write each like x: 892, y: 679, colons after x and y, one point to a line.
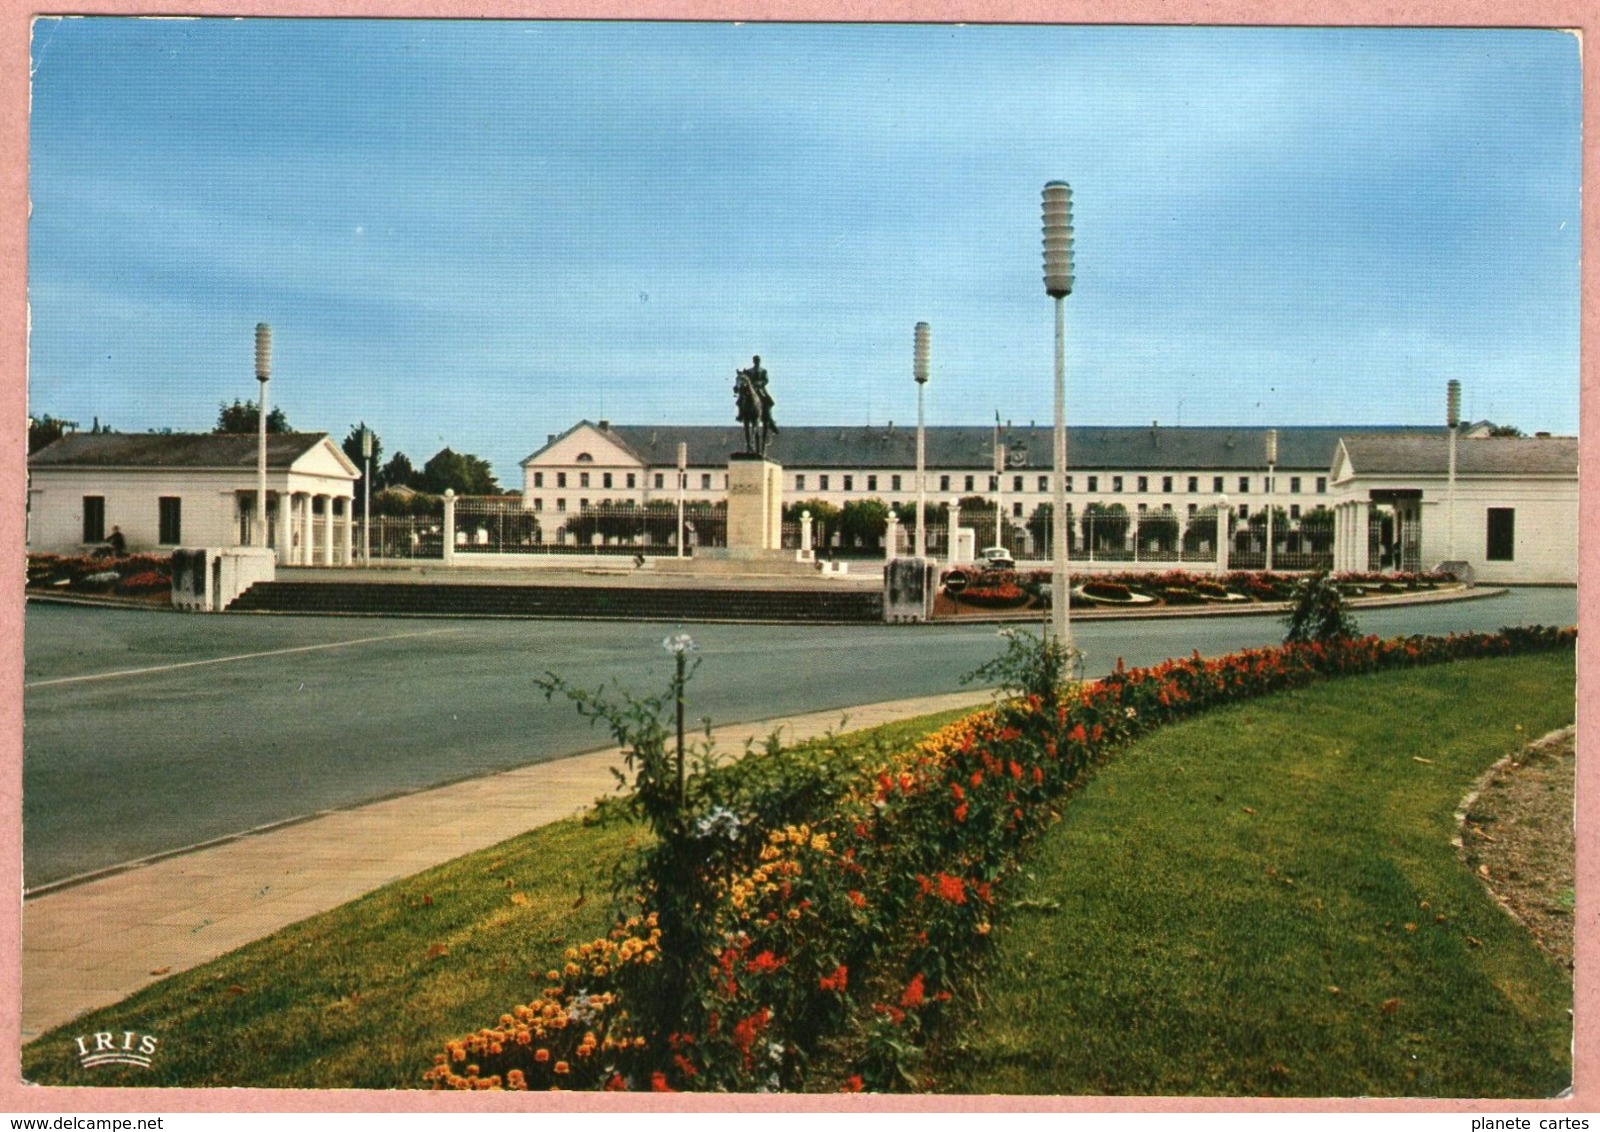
x: 1318, y: 612
x: 1111, y: 591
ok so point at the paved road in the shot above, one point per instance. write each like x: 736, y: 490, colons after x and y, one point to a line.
x: 147, y: 731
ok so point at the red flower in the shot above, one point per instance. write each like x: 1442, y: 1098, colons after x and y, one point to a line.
x: 961, y: 812
x: 956, y: 792
x: 857, y: 899
x: 615, y: 1083
x: 658, y: 1083
x: 685, y: 1066
x: 913, y: 996
x: 1016, y: 769
x: 836, y: 981
x: 1077, y: 734
x: 977, y: 778
x: 952, y: 889
x: 765, y: 963
x: 852, y: 1084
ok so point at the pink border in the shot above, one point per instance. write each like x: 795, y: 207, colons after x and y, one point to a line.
x: 14, y: 95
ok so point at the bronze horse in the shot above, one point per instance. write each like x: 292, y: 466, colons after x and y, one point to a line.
x: 754, y: 407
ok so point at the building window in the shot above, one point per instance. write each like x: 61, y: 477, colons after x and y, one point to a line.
x: 1016, y: 510
x: 1322, y: 485
x: 1144, y: 483
x: 1294, y: 485
x: 822, y: 483
x: 538, y: 479
x: 705, y: 481
x: 583, y: 505
x: 1502, y: 535
x: 1143, y: 507
x: 994, y: 483
x: 1294, y: 510
x: 661, y: 480
x: 561, y: 479
x: 1193, y: 507
x: 1194, y: 484
x: 631, y: 481
x: 872, y: 483
x: 585, y: 458
x: 561, y: 505
x: 1244, y: 510
x: 94, y: 518
x: 583, y: 479
x: 171, y: 520
x: 1166, y: 483
x: 605, y: 480
x: 800, y: 482
x: 969, y: 484
x: 1069, y: 483
x: 1216, y: 484
x: 1244, y: 483
x: 1094, y: 483
x: 1116, y: 483
x: 944, y: 483
x: 538, y: 504
x: 849, y: 483
x: 1016, y: 483
x: 894, y: 483
x: 1044, y: 483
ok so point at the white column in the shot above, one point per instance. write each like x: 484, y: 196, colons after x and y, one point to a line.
x: 286, y: 528
x: 890, y: 535
x: 449, y: 526
x: 349, y: 530
x: 327, y: 530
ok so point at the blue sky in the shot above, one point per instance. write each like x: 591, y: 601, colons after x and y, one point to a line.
x: 477, y: 233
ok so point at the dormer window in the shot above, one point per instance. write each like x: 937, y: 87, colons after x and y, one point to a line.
x: 585, y: 458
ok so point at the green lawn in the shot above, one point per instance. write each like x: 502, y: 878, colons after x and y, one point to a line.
x: 1265, y: 900
x: 362, y: 996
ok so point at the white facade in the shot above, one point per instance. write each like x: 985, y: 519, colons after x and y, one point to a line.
x: 1514, y: 516
x: 591, y: 464
x: 73, y: 507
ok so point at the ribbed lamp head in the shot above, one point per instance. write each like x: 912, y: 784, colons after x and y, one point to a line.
x: 1272, y: 446
x: 919, y: 364
x: 1453, y: 403
x: 263, y: 351
x: 366, y: 444
x: 1057, y: 239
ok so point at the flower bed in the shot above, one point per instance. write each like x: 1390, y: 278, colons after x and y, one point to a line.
x: 133, y: 575
x: 848, y: 901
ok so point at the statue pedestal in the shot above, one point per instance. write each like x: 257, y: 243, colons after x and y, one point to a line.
x: 755, y: 503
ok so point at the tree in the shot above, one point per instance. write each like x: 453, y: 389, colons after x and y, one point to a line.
x: 398, y: 472
x: 245, y: 416
x: 459, y: 472
x: 352, y: 449
x: 863, y: 521
x: 46, y: 430
x: 1505, y: 430
x: 1316, y: 528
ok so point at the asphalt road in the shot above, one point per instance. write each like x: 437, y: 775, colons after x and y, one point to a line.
x: 149, y: 731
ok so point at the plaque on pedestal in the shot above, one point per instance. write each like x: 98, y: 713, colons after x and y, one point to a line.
x: 755, y: 503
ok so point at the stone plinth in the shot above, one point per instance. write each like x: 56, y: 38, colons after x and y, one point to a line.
x: 755, y: 503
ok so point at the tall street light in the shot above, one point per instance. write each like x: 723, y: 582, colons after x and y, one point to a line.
x: 1058, y: 285
x: 1272, y: 461
x: 263, y: 375
x: 1453, y: 419
x: 366, y: 501
x: 683, y: 472
x: 919, y: 370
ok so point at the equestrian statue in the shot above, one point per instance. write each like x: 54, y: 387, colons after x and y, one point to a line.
x: 755, y: 407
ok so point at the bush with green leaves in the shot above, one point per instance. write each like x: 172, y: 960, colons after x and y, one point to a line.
x: 1318, y: 612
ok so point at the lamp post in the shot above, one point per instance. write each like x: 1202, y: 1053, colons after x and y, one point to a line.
x: 683, y: 471
x: 919, y: 370
x: 263, y: 375
x: 1058, y: 285
x: 1222, y: 533
x: 366, y: 497
x: 999, y: 486
x: 1272, y: 460
x: 1453, y: 419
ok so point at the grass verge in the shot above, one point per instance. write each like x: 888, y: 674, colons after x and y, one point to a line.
x: 364, y: 995
x: 1264, y: 900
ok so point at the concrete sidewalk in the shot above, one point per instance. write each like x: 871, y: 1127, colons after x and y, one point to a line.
x: 92, y: 944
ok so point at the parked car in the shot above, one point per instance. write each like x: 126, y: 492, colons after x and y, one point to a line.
x: 996, y: 558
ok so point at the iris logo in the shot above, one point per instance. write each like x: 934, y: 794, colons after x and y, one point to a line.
x: 103, y: 1048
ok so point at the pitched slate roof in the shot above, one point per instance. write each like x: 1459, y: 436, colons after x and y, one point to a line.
x: 1485, y: 456
x: 1089, y: 447
x: 172, y: 450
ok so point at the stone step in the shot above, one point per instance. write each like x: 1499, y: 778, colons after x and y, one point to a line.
x: 566, y: 602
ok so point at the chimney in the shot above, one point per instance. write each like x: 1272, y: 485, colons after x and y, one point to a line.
x: 605, y: 425
x: 550, y: 439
